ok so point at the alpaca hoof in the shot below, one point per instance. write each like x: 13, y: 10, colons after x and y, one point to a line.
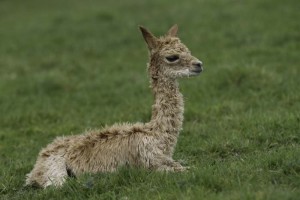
x: 181, y: 169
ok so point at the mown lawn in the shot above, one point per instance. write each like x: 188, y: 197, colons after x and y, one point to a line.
x: 66, y: 66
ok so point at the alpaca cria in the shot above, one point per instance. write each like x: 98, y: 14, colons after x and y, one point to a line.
x: 149, y: 145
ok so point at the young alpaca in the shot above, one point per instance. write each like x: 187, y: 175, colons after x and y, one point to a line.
x: 150, y: 145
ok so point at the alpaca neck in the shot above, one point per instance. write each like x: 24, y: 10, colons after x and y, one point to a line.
x: 167, y: 111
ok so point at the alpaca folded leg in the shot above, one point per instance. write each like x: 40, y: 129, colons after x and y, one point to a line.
x: 57, y: 171
x: 164, y: 163
x: 48, y: 171
x: 171, y: 166
x: 167, y: 168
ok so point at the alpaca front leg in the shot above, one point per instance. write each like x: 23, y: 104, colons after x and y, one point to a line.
x: 172, y: 166
x: 164, y: 163
x: 167, y: 168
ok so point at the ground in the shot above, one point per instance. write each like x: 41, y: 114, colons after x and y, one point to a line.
x: 66, y: 66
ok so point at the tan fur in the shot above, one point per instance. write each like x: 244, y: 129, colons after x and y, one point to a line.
x: 148, y: 145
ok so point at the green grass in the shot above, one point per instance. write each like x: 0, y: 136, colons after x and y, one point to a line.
x: 66, y: 66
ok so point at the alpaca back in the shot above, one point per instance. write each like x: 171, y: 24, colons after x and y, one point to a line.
x: 107, y: 149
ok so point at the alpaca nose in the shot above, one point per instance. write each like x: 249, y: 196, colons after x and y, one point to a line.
x: 197, y: 63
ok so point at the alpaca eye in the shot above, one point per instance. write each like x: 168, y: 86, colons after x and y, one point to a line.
x: 172, y: 58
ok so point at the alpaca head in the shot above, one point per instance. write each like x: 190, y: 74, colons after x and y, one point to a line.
x: 169, y: 57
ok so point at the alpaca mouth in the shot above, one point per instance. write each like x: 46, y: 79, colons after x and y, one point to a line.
x: 196, y: 71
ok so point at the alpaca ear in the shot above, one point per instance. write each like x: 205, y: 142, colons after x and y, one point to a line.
x: 173, y: 31
x: 150, y: 39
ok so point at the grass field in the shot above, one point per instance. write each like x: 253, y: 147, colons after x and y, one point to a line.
x: 66, y: 66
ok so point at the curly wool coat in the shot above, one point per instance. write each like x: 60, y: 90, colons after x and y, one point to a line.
x: 149, y: 145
